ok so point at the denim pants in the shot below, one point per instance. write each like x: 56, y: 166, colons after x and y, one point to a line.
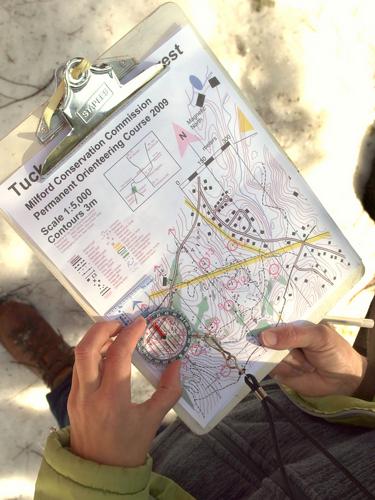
x: 58, y: 401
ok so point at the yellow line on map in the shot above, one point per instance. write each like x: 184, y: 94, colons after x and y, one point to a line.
x: 223, y: 233
x: 242, y: 263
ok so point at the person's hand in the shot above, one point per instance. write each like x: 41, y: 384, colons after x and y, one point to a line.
x: 321, y: 362
x: 106, y: 427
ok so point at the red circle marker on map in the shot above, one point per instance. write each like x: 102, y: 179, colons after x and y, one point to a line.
x: 196, y: 350
x: 274, y: 269
x: 232, y: 246
x: 204, y: 263
x: 213, y: 324
x: 228, y: 305
x: 225, y: 371
x: 231, y: 284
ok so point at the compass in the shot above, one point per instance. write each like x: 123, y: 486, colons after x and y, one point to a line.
x: 167, y: 337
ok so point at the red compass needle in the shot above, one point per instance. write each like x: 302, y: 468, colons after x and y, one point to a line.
x: 159, y: 330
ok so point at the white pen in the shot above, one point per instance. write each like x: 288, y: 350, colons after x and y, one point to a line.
x: 341, y: 320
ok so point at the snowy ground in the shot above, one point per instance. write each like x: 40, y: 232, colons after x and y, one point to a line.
x: 308, y: 67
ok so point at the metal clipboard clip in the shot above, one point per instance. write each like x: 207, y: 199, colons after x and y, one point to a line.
x: 91, y: 94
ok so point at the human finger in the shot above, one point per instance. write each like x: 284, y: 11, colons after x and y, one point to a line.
x: 106, y: 346
x: 284, y: 371
x: 297, y: 359
x: 168, y: 391
x: 73, y: 393
x: 88, y: 354
x: 117, y: 366
x: 75, y: 383
x: 291, y: 336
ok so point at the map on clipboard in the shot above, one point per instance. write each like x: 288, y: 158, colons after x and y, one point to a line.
x: 183, y: 202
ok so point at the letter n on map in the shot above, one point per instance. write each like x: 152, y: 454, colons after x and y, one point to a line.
x: 184, y: 138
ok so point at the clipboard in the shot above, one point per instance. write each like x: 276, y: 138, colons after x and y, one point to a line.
x: 21, y: 144
x: 219, y: 278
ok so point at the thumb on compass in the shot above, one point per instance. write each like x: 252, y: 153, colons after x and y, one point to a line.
x: 168, y: 391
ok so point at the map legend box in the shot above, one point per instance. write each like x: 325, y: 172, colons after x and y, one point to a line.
x: 144, y: 169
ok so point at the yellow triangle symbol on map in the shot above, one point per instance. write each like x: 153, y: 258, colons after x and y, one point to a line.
x: 244, y: 123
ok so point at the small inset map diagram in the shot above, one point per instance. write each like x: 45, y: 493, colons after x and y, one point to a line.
x: 143, y: 170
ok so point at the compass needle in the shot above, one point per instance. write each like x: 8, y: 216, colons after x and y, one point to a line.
x: 159, y: 330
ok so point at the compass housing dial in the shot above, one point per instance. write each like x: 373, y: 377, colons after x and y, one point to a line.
x: 167, y: 337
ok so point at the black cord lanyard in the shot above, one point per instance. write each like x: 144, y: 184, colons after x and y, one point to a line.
x: 267, y: 401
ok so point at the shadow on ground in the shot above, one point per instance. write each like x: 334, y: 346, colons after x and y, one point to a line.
x: 364, y: 178
x: 271, y: 83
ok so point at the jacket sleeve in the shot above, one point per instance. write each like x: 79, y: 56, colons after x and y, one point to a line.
x: 349, y: 410
x: 65, y: 476
x: 357, y: 410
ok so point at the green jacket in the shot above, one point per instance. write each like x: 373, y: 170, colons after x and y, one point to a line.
x: 65, y: 476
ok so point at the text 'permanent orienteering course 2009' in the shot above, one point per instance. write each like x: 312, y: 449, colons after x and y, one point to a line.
x: 62, y: 184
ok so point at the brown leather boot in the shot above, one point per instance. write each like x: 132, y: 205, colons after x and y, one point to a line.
x: 33, y: 342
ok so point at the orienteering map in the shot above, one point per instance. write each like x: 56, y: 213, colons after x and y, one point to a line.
x: 184, y: 201
x: 247, y: 249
